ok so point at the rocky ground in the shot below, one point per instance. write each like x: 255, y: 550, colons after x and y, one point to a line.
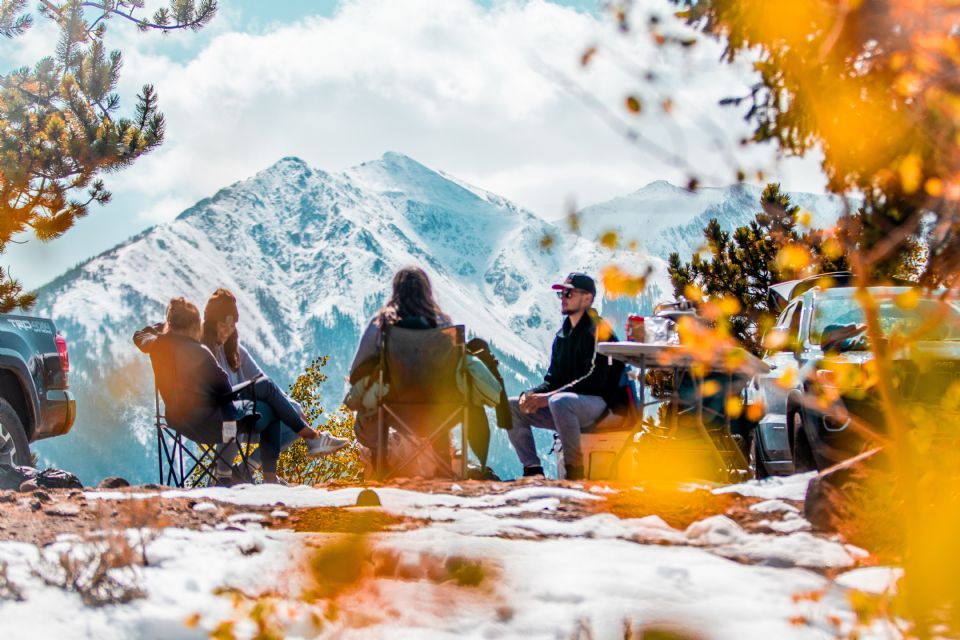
x: 429, y: 559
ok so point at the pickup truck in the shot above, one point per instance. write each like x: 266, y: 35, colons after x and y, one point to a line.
x: 35, y: 401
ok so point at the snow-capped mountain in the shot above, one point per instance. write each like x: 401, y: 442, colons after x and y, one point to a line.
x: 664, y: 218
x: 310, y: 256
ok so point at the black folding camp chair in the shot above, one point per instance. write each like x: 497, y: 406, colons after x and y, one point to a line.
x: 188, y: 456
x: 420, y: 368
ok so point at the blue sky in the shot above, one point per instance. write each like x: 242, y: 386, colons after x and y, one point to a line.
x: 489, y: 96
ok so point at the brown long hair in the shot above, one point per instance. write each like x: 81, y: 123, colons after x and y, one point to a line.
x: 182, y: 317
x: 220, y: 305
x: 412, y: 296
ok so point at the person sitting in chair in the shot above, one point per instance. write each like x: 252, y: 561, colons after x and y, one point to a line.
x: 412, y: 306
x: 220, y: 335
x: 196, y: 391
x: 579, y: 387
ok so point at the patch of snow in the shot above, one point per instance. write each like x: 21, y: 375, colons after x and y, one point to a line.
x: 205, y: 507
x: 788, y: 488
x: 874, y: 580
x: 725, y: 537
x: 774, y: 506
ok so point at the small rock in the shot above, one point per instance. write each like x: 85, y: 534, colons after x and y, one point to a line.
x: 41, y: 495
x: 368, y: 498
x: 35, y: 505
x: 7, y: 496
x: 29, y: 486
x: 251, y: 547
x: 115, y: 482
x: 65, y: 510
x: 153, y: 486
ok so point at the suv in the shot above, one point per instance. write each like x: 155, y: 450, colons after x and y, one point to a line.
x: 798, y: 434
x: 35, y: 401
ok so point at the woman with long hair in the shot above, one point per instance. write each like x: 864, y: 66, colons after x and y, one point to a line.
x: 282, y: 419
x: 197, y: 392
x: 411, y: 306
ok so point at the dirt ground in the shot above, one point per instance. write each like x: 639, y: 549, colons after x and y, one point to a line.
x: 39, y: 517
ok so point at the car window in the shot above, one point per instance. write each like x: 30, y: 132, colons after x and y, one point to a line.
x: 793, y: 333
x: 842, y: 311
x: 784, y: 321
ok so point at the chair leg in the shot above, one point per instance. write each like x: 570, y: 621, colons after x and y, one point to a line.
x: 464, y: 452
x: 380, y: 458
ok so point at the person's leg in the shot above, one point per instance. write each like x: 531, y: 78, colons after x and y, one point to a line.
x: 521, y: 435
x: 270, y: 447
x: 226, y: 454
x: 478, y: 434
x: 571, y: 413
x: 268, y: 393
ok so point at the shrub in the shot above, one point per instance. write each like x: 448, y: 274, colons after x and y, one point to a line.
x: 343, y: 466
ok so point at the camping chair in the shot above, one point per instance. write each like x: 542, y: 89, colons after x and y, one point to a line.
x: 200, y: 465
x: 419, y: 367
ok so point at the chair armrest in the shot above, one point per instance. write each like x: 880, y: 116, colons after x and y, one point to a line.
x: 237, y: 389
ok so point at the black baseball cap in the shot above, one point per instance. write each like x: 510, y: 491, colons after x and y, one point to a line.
x: 577, y: 280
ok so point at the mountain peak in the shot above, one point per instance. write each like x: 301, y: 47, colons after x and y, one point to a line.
x: 661, y: 187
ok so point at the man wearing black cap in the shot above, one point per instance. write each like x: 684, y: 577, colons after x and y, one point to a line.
x: 579, y: 386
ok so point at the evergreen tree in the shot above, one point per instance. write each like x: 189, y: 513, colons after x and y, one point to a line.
x: 59, y: 127
x: 742, y: 265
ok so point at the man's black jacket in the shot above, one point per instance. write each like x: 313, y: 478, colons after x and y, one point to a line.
x: 574, y: 349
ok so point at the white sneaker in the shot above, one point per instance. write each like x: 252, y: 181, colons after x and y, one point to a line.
x: 325, y: 444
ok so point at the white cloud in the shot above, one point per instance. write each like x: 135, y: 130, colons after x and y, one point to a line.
x: 446, y: 81
x: 457, y: 86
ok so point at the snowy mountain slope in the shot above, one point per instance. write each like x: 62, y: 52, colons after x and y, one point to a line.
x: 310, y: 255
x: 664, y: 218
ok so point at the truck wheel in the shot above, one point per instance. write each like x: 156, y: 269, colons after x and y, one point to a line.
x: 802, y: 453
x: 14, y: 448
x: 756, y: 458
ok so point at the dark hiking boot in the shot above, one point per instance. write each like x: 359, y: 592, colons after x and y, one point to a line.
x: 574, y: 472
x: 483, y: 473
x: 530, y: 472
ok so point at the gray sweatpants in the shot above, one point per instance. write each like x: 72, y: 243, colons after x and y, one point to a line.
x: 566, y: 413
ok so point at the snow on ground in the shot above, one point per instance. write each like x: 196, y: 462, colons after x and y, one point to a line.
x: 549, y: 573
x: 787, y: 487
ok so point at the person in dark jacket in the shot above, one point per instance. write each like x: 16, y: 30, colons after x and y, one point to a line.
x: 197, y: 393
x: 579, y: 386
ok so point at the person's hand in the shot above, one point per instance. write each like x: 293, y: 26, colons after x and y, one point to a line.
x: 531, y: 402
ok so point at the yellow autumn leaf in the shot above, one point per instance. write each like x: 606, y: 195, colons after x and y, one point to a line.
x: 609, y: 239
x: 788, y: 379
x: 734, y: 407
x: 618, y: 283
x: 909, y: 299
x: 710, y: 388
x: 933, y: 187
x: 911, y: 171
x: 633, y: 104
x: 755, y: 411
x: 729, y: 306
x: 793, y: 257
x: 805, y: 218
x: 693, y: 293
